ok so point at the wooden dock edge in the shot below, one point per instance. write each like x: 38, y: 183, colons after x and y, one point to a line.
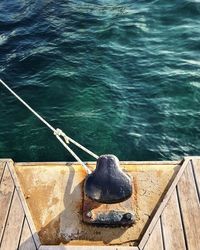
x: 8, y: 163
x: 63, y: 163
x: 163, y: 203
x: 28, y: 216
x: 87, y: 247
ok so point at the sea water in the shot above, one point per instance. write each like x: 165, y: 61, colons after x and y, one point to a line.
x: 120, y: 77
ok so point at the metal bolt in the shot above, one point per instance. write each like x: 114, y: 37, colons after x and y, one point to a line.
x: 128, y: 216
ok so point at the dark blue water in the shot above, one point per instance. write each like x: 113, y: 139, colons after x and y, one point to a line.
x: 120, y: 77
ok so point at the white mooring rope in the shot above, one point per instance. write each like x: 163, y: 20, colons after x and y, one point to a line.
x: 57, y: 132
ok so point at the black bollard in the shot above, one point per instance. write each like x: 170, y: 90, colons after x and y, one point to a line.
x: 108, y: 183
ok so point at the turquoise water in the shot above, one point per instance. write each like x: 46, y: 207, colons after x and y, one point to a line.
x: 120, y: 77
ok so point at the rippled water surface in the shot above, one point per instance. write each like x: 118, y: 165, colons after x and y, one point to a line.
x: 120, y: 77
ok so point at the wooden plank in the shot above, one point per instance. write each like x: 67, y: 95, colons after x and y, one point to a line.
x: 190, y: 208
x: 88, y: 248
x: 13, y: 227
x: 163, y: 203
x: 26, y: 241
x: 196, y: 171
x: 2, y: 165
x: 24, y: 205
x: 6, y: 194
x: 155, y: 241
x: 172, y: 226
x: 94, y: 163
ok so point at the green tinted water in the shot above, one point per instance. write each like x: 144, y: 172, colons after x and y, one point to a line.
x: 120, y: 77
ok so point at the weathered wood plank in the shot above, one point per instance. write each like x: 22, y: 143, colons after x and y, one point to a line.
x: 172, y: 226
x: 21, y: 164
x: 88, y: 248
x: 6, y: 193
x: 163, y: 203
x: 196, y: 170
x: 26, y: 241
x: 2, y: 165
x: 155, y: 241
x: 13, y: 227
x: 24, y: 205
x: 190, y: 208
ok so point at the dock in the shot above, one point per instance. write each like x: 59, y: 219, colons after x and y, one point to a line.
x: 40, y: 207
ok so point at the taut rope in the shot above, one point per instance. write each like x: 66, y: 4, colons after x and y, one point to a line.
x: 60, y: 135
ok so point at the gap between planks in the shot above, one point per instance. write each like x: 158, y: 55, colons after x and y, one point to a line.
x: 162, y: 205
x: 24, y: 205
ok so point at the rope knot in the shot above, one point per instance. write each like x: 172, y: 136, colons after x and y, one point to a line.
x: 59, y: 132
